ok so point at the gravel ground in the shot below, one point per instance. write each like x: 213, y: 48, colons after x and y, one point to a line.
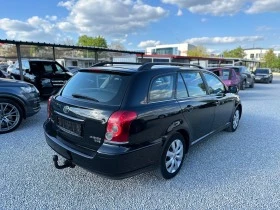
x: 238, y: 170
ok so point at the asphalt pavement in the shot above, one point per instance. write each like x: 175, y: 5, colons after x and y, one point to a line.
x: 238, y: 170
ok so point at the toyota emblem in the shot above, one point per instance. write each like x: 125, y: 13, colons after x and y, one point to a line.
x: 66, y: 109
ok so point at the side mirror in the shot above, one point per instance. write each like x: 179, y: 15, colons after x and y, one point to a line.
x: 233, y: 89
x: 27, y: 71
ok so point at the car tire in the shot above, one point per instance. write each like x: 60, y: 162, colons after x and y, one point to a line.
x: 243, y: 85
x: 173, y: 156
x: 234, y: 121
x: 10, y: 115
x: 252, y: 84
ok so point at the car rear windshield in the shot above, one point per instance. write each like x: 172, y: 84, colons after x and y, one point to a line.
x: 107, y: 88
x: 262, y: 71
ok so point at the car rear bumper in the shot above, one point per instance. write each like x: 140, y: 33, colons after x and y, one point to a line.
x: 112, y: 161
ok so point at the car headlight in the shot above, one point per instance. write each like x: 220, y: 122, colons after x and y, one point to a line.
x: 29, y: 89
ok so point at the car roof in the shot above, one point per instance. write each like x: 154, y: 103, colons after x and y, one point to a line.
x: 137, y: 67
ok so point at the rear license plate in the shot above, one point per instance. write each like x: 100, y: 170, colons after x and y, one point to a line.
x: 69, y: 126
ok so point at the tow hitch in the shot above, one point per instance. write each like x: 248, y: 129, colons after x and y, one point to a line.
x: 67, y: 163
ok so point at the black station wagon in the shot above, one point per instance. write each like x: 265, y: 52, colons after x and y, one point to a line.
x: 119, y: 119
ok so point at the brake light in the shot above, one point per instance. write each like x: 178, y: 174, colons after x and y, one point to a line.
x: 49, y: 106
x: 118, y: 126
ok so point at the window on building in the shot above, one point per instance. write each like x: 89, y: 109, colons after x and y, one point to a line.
x: 251, y: 55
x: 74, y: 63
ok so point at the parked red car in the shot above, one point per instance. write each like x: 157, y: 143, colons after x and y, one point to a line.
x: 228, y: 75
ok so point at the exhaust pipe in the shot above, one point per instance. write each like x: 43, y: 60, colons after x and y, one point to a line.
x: 66, y: 164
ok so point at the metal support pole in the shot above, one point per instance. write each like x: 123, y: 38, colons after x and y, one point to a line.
x: 53, y: 53
x: 95, y: 57
x: 19, y: 61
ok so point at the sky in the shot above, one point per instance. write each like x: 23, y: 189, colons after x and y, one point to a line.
x: 217, y: 25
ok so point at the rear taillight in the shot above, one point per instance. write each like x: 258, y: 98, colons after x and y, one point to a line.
x: 49, y: 106
x: 118, y: 127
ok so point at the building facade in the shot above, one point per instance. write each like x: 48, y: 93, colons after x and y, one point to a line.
x: 258, y: 53
x: 170, y: 49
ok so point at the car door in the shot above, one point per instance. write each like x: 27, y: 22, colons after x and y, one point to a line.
x: 250, y: 76
x: 196, y: 106
x: 224, y: 102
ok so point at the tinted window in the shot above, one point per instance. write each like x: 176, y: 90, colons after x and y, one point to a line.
x: 214, y: 84
x: 195, y: 84
x: 181, y: 88
x: 225, y: 74
x: 107, y: 88
x: 161, y: 88
x: 58, y: 68
x: 48, y: 68
x: 262, y: 71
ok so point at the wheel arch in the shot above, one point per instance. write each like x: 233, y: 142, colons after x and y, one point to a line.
x: 16, y: 100
x: 186, y: 136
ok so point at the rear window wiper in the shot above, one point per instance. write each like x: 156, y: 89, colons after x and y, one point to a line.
x: 75, y: 95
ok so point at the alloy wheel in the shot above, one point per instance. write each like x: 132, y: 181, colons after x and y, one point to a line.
x: 236, y: 118
x: 9, y: 117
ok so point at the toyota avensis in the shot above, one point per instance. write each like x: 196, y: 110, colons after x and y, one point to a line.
x: 119, y: 119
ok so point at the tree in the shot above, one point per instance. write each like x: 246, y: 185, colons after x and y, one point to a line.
x: 198, y: 51
x: 235, y: 53
x: 88, y: 41
x: 271, y: 60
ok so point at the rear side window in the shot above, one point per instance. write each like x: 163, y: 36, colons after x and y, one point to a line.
x: 225, y: 74
x: 162, y: 88
x: 195, y: 84
x: 107, y: 88
x: 214, y: 84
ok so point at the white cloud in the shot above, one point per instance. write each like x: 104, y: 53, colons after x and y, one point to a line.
x: 33, y: 29
x: 67, y: 4
x: 148, y: 43
x: 260, y: 6
x: 263, y: 28
x: 275, y: 47
x: 227, y: 7
x: 112, y: 17
x: 179, y: 13
x: 7, y: 24
x: 51, y: 18
x: 223, y: 40
x: 214, y: 7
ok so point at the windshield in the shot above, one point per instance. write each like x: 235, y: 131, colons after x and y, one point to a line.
x: 107, y: 88
x: 262, y: 71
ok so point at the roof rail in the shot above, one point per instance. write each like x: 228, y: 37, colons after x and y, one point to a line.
x: 148, y: 66
x: 112, y: 63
